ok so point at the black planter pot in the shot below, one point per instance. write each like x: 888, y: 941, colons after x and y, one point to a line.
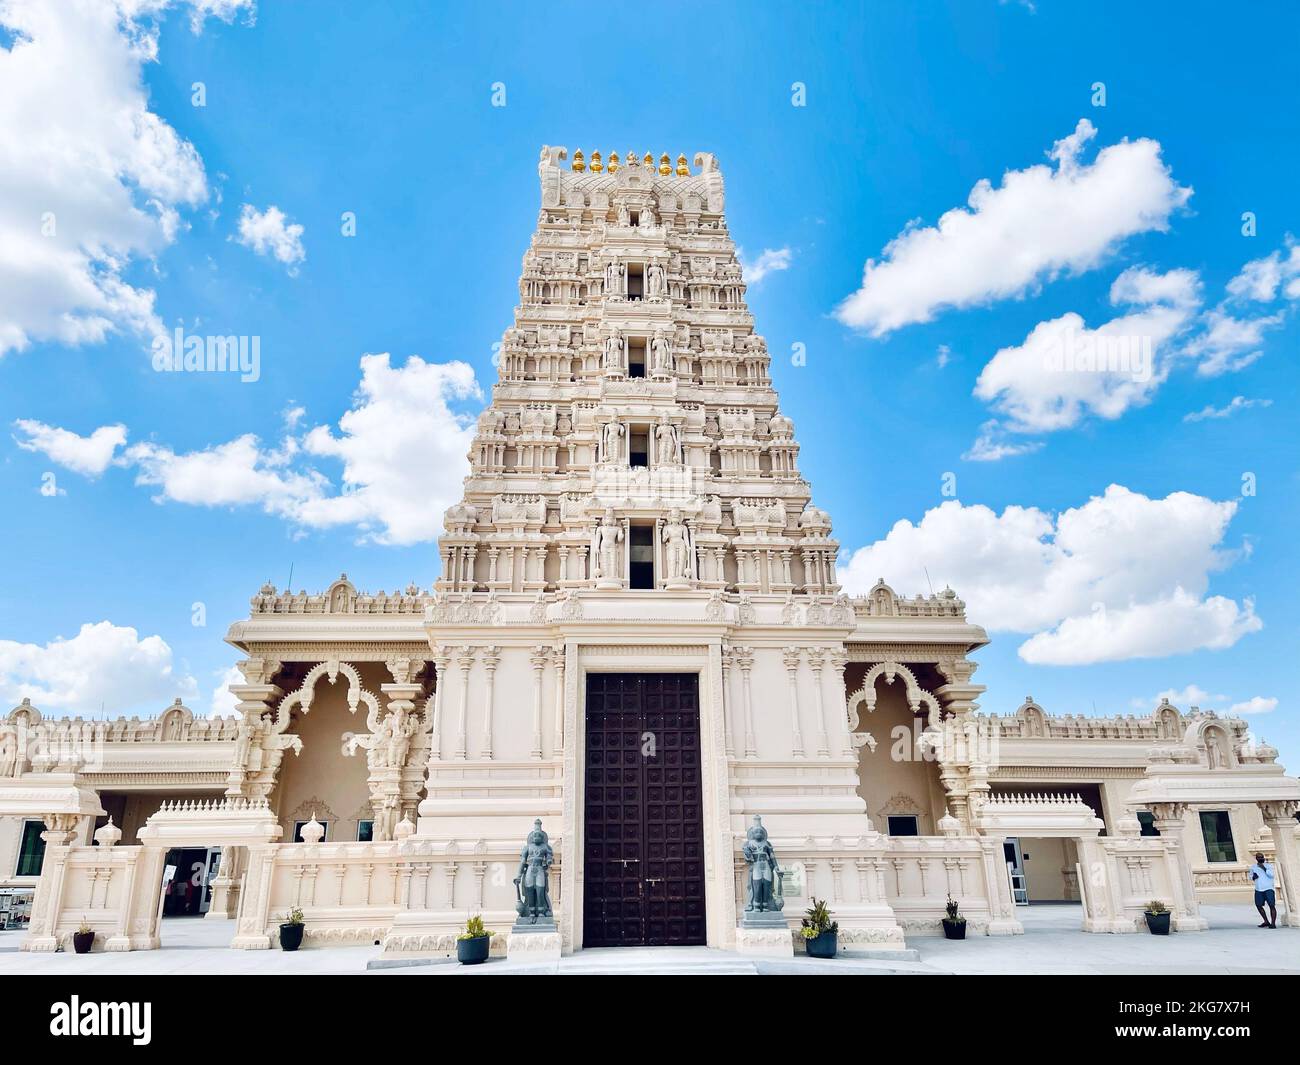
x: 954, y: 929
x: 83, y: 941
x: 291, y: 936
x: 1158, y: 923
x: 473, y: 951
x: 822, y: 946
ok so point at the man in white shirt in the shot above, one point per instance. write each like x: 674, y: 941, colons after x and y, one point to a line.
x: 1262, y: 874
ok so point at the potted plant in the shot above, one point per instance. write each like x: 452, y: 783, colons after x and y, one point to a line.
x: 954, y: 924
x: 472, y: 944
x: 1157, y: 915
x: 83, y: 938
x: 820, y: 933
x: 291, y: 930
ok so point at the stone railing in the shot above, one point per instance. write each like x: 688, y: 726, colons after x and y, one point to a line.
x: 940, y: 605
x: 1122, y: 874
x: 269, y: 601
x: 923, y: 872
x: 348, y: 892
x: 115, y: 891
x: 1079, y: 727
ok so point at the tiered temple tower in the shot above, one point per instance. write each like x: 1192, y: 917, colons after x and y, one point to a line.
x: 637, y: 561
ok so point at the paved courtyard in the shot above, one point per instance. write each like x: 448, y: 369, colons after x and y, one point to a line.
x: 1052, y: 943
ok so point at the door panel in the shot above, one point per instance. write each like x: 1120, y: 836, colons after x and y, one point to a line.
x: 643, y: 874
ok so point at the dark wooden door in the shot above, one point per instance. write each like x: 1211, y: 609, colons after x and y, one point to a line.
x: 643, y: 870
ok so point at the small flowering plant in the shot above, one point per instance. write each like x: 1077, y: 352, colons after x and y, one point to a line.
x: 817, y: 921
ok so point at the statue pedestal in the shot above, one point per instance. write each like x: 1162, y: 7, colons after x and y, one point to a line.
x: 609, y: 582
x: 765, y: 932
x: 534, y: 942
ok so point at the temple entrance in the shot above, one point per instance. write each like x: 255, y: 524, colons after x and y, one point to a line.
x: 643, y: 862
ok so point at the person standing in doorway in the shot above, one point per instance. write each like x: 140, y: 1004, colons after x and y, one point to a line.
x: 1262, y: 874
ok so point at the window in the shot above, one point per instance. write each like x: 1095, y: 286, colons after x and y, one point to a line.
x: 903, y: 825
x: 641, y: 556
x: 638, y: 448
x: 31, y: 852
x: 299, y: 825
x: 636, y: 356
x: 1216, y: 828
x: 365, y: 831
x: 634, y: 218
x: 635, y: 281
x: 1148, y: 823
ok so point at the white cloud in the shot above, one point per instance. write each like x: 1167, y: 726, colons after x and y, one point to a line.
x: 769, y: 262
x: 1192, y: 695
x: 1039, y: 223
x: 87, y: 455
x: 231, y: 474
x: 104, y: 665
x: 1145, y: 562
x: 1237, y: 403
x: 91, y: 179
x: 993, y: 445
x: 271, y: 233
x: 944, y: 356
x: 1260, y: 279
x: 222, y: 702
x: 404, y: 451
x: 402, y: 448
x: 1256, y: 704
x: 1228, y: 343
x: 1064, y: 371
x: 1177, y: 624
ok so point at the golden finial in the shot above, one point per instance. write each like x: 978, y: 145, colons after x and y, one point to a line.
x: 578, y: 164
x: 596, y: 165
x: 649, y: 160
x: 665, y: 164
x: 682, y: 169
x: 613, y: 162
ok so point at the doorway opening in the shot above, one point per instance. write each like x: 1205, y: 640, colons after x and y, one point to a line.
x: 188, y: 873
x: 635, y: 281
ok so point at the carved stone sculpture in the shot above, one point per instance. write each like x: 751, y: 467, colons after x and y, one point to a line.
x: 763, y: 872
x: 677, y: 551
x: 604, y: 553
x: 532, y: 884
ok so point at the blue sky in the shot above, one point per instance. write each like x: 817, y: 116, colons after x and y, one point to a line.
x: 1173, y: 580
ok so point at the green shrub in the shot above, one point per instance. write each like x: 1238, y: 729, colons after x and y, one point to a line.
x: 474, y: 929
x: 817, y: 921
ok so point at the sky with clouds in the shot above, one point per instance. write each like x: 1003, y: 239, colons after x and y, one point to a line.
x: 1029, y: 277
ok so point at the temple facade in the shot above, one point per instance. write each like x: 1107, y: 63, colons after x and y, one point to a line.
x: 636, y: 637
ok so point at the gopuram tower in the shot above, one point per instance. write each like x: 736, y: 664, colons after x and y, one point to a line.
x: 637, y: 631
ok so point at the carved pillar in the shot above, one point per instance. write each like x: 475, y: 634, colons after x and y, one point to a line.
x: 256, y: 697
x: 728, y: 703
x: 491, y: 658
x: 466, y: 663
x: 1168, y: 818
x: 440, y: 660
x: 791, y: 657
x: 745, y: 659
x: 558, y: 741
x: 1280, y: 818
x: 538, y: 660
x: 817, y: 660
